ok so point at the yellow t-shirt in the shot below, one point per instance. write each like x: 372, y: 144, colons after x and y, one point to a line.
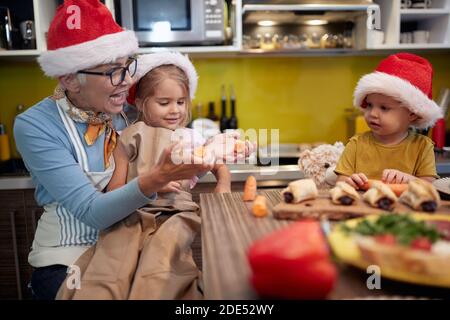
x: 363, y: 154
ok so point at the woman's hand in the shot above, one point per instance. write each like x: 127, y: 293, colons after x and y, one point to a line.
x: 165, y: 171
x: 395, y: 176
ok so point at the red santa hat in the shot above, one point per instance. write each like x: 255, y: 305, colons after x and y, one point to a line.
x: 406, y: 78
x: 83, y: 34
x: 148, y: 62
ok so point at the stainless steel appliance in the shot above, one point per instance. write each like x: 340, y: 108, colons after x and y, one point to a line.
x: 304, y: 24
x: 175, y: 22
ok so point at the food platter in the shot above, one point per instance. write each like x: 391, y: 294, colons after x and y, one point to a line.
x: 346, y: 250
x: 322, y: 207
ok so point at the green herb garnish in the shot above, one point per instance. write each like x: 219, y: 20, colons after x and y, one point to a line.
x: 403, y: 227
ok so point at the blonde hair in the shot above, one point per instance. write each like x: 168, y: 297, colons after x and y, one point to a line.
x: 147, y: 85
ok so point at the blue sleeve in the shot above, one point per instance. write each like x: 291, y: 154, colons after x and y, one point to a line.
x: 53, y: 165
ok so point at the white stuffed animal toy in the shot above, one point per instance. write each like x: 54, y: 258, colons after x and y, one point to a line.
x: 319, y: 164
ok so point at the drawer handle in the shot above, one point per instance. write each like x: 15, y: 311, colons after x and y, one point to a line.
x: 12, y: 216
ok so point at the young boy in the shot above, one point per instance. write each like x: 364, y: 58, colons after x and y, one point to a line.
x: 394, y: 98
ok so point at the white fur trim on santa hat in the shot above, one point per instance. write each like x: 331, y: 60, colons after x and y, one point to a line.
x: 147, y: 62
x: 104, y: 49
x: 412, y: 97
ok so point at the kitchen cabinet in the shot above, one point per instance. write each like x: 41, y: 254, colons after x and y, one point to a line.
x: 15, y: 242
x: 44, y: 11
x: 399, y: 24
x: 435, y: 21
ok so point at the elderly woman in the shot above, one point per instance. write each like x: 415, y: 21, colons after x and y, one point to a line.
x: 67, y: 140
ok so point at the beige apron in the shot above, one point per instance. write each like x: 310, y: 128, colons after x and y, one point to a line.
x: 141, y: 257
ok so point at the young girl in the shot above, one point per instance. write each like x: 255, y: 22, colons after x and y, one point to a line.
x: 393, y: 99
x: 162, y: 95
x: 149, y: 255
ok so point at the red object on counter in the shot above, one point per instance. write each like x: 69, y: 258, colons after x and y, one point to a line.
x: 293, y: 263
x: 438, y: 134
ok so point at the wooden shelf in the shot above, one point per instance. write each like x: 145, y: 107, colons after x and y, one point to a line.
x: 422, y: 14
x: 19, y: 53
x: 395, y: 20
x: 424, y: 46
x: 204, y: 49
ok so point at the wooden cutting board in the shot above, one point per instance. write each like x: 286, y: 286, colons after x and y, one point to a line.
x: 323, y: 207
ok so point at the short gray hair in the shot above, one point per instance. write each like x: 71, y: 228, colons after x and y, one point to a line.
x: 81, y: 78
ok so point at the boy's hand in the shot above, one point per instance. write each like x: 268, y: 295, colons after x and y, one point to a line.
x: 395, y: 176
x: 357, y: 180
x: 172, y: 186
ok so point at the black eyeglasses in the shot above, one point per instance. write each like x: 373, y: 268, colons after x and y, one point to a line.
x: 117, y: 75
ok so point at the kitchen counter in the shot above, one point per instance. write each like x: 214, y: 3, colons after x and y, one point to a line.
x: 239, y: 173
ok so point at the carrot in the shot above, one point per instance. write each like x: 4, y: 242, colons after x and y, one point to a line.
x: 259, y: 208
x: 200, y: 152
x: 249, y: 189
x: 367, y: 185
x: 239, y: 146
x: 397, y: 188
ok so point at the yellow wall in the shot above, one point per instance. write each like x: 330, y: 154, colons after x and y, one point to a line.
x: 305, y: 97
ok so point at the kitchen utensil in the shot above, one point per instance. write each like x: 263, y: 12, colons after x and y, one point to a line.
x: 267, y: 43
x: 375, y: 38
x: 5, y: 152
x: 246, y: 41
x: 291, y: 41
x: 314, y: 40
x: 420, y: 36
x: 421, y: 4
x: 277, y: 41
x: 328, y: 40
x: 438, y: 134
x: 303, y: 38
x: 406, y: 37
x: 232, y: 121
x: 340, y: 43
x: 406, y: 4
x: 28, y: 34
x: 6, y: 41
x: 443, y: 100
x: 223, y: 116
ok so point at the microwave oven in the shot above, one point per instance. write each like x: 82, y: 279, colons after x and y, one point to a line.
x: 175, y: 22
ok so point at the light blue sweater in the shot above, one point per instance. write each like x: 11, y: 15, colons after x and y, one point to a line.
x: 50, y: 157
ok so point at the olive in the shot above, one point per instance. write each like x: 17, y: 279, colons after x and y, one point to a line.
x: 429, y: 206
x: 384, y: 203
x: 288, y: 197
x: 345, y: 200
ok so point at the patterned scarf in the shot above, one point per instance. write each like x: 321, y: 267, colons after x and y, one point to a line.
x: 97, y: 124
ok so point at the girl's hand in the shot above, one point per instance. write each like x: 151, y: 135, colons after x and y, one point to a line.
x: 166, y: 171
x: 357, y: 180
x: 220, y: 188
x: 172, y: 186
x: 395, y: 176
